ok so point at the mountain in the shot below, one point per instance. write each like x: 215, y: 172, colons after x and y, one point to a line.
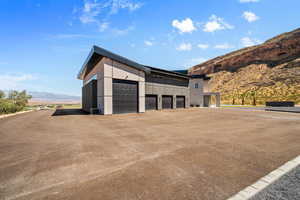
x: 47, y: 97
x: 270, y: 71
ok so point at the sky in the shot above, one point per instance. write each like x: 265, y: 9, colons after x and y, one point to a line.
x: 43, y: 43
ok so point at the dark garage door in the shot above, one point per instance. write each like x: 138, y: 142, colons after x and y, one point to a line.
x: 89, y: 96
x: 151, y: 102
x: 180, y: 101
x: 125, y: 96
x: 167, y: 102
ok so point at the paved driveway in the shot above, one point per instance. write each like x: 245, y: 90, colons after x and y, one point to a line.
x: 179, y: 154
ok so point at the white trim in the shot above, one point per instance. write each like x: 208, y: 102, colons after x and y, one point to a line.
x: 94, y: 77
x: 266, y: 181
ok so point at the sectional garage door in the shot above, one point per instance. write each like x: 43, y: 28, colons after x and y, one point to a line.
x: 89, y: 96
x: 167, y: 102
x: 125, y: 96
x: 151, y: 102
x: 180, y: 101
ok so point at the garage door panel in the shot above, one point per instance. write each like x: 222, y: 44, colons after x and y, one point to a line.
x: 180, y: 101
x: 167, y: 102
x: 125, y: 96
x: 151, y: 102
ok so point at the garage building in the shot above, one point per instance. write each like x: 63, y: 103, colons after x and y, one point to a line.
x: 113, y: 84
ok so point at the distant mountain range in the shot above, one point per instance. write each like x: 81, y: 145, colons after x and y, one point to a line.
x: 52, y: 97
x: 47, y: 97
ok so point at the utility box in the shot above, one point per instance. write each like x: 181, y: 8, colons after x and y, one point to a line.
x: 280, y: 104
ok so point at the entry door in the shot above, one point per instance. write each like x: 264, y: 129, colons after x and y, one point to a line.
x: 125, y: 96
x: 180, y: 101
x: 206, y: 102
x: 151, y: 102
x: 167, y: 102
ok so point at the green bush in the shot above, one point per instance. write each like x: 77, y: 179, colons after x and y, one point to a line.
x: 7, y: 107
x: 15, y: 102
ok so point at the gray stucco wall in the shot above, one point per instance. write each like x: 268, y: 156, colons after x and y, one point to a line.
x: 196, y: 94
x: 164, y: 89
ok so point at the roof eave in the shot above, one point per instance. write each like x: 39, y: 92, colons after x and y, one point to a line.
x: 105, y: 53
x: 83, y: 68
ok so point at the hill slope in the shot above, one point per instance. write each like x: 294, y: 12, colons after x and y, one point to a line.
x: 270, y: 71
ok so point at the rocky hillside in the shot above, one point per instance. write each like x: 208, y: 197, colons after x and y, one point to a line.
x: 270, y: 71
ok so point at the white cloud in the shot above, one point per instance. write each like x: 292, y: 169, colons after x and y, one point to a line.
x: 185, y: 26
x: 120, y: 32
x: 249, y: 1
x: 14, y: 81
x: 247, y: 41
x: 95, y: 11
x: 194, y: 61
x: 90, y: 11
x: 224, y: 46
x: 184, y: 47
x: 203, y: 46
x: 116, y: 5
x: 215, y: 24
x: 250, y: 16
x: 103, y: 26
x: 148, y: 43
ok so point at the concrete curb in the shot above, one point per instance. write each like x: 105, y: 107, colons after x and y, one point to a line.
x: 13, y: 114
x: 266, y: 181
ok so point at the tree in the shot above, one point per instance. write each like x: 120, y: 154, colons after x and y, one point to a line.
x: 22, y: 98
x: 2, y: 94
x: 234, y: 95
x: 19, y: 98
x: 253, y: 94
x: 15, y: 101
x: 12, y: 95
x: 243, y: 96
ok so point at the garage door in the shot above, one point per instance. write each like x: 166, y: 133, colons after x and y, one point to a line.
x: 206, y: 102
x: 180, y: 101
x: 125, y: 96
x: 89, y: 96
x: 151, y: 102
x: 167, y: 102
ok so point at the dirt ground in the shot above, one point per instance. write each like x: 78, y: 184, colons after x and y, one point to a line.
x: 177, y: 154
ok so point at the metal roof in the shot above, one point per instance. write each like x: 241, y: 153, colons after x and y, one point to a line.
x: 203, y: 76
x: 171, y: 73
x: 97, y: 53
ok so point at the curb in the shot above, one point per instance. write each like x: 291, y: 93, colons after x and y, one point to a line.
x: 266, y: 181
x: 13, y: 114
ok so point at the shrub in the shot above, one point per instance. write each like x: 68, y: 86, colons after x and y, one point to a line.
x: 15, y: 102
x: 7, y: 107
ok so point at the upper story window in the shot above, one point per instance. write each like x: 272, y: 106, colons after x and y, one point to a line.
x: 196, y: 85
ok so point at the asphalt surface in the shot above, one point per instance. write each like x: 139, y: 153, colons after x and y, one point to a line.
x: 284, y: 109
x: 286, y: 188
x: 177, y: 154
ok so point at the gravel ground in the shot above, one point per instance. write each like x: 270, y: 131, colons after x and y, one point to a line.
x: 286, y: 188
x: 182, y: 154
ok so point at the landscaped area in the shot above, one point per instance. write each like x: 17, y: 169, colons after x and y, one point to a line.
x: 196, y: 153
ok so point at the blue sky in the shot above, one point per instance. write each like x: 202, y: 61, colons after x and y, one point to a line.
x: 45, y: 42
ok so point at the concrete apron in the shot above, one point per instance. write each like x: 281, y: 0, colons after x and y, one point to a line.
x: 266, y: 181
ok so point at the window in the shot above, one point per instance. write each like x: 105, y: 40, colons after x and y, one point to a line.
x: 196, y: 85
